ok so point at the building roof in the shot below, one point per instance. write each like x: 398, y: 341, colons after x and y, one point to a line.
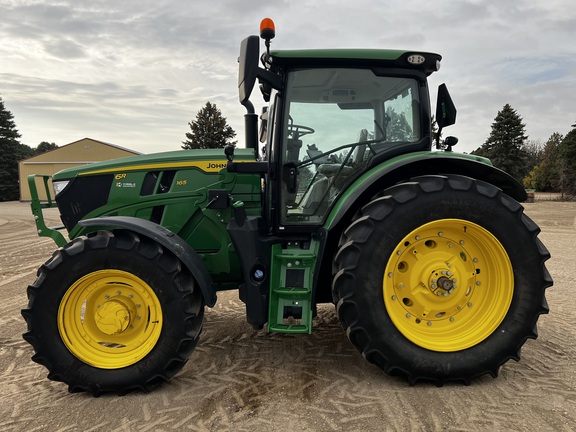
x: 46, y: 155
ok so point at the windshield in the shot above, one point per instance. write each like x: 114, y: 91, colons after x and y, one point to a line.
x: 338, y: 119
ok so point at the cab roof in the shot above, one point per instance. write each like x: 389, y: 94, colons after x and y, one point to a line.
x: 416, y: 60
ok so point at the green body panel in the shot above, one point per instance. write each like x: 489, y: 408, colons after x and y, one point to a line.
x: 378, y: 171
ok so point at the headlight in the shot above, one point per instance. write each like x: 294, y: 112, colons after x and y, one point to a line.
x: 59, y: 186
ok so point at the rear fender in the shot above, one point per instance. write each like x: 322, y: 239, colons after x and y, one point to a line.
x: 167, y: 239
x: 404, y: 167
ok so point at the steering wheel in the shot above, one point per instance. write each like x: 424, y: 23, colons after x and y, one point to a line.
x: 298, y: 131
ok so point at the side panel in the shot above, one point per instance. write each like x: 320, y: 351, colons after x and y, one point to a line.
x: 177, y: 200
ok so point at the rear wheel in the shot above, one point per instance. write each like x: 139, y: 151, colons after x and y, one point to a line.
x: 441, y: 279
x: 113, y: 312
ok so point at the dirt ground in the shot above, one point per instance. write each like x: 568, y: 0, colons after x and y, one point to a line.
x: 245, y: 380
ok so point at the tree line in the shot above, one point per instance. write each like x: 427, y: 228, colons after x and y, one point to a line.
x: 548, y: 167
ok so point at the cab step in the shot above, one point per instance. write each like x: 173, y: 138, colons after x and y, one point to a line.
x: 292, y: 279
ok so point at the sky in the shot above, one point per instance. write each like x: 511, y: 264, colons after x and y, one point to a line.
x: 134, y: 72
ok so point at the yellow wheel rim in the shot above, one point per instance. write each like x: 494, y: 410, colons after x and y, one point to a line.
x: 448, y: 285
x: 110, y: 319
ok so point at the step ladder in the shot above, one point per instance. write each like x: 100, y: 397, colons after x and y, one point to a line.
x: 291, y: 282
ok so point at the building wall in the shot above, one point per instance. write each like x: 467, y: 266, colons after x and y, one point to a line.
x: 80, y: 152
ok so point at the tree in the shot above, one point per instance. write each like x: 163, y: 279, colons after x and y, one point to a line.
x: 567, y: 156
x: 545, y: 177
x: 505, y: 145
x: 209, y: 130
x: 398, y: 128
x: 44, y: 146
x: 11, y: 151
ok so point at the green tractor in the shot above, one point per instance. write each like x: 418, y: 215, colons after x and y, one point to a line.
x: 435, y: 271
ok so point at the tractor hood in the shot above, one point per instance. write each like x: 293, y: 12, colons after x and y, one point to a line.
x: 210, y: 161
x: 145, y: 186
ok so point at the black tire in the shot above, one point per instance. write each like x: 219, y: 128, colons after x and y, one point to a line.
x: 370, y: 274
x: 136, y: 285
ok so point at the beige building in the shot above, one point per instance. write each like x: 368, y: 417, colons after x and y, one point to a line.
x: 81, y: 152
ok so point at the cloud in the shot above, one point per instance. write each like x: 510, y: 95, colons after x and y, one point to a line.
x: 65, y: 49
x: 134, y: 72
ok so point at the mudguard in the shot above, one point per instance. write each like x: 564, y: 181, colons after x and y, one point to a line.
x: 415, y: 164
x: 167, y: 239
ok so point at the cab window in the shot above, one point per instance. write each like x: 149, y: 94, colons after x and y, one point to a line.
x: 337, y: 120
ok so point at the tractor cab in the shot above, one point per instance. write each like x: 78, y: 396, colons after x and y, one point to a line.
x: 333, y: 115
x: 335, y: 122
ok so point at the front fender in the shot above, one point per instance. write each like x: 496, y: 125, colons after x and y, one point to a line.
x: 169, y: 240
x: 404, y: 167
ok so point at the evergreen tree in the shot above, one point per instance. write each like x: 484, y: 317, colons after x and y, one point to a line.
x: 209, y: 130
x: 505, y: 145
x: 398, y: 128
x: 11, y: 151
x: 567, y: 156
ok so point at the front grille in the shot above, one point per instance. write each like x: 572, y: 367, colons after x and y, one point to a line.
x: 83, y: 195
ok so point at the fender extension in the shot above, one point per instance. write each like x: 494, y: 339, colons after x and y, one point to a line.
x: 167, y: 239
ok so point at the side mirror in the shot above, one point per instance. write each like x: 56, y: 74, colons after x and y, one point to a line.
x: 248, y: 67
x: 445, y: 109
x: 445, y: 112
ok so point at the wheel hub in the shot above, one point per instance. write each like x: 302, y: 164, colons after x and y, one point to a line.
x: 443, y: 285
x: 112, y: 317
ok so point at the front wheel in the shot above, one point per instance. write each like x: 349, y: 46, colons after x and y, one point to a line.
x: 441, y: 278
x: 113, y: 312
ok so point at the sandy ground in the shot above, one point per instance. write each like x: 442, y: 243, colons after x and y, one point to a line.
x: 245, y: 380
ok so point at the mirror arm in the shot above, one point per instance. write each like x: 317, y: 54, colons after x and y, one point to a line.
x: 269, y: 78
